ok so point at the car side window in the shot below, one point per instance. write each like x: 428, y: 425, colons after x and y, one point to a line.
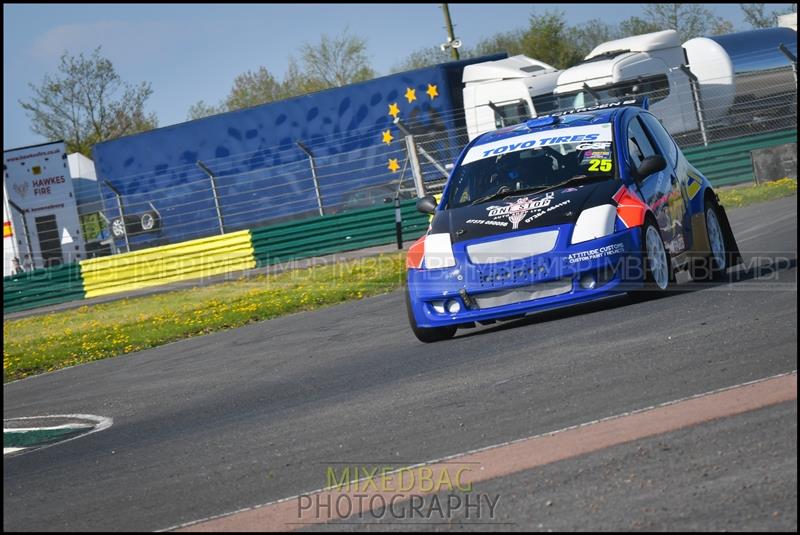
x: 662, y: 137
x: 639, y: 146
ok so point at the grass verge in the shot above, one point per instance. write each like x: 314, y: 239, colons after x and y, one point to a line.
x: 768, y: 191
x: 60, y: 339
x: 48, y: 342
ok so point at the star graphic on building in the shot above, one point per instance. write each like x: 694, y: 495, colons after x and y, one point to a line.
x: 387, y: 136
x: 411, y: 95
x: 432, y: 91
x: 394, y: 111
x: 393, y: 165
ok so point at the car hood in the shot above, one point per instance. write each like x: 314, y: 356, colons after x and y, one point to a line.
x: 524, y: 212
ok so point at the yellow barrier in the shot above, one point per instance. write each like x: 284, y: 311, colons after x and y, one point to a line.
x: 194, y: 259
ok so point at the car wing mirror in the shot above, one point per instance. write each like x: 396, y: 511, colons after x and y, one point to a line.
x: 427, y: 204
x: 650, y: 165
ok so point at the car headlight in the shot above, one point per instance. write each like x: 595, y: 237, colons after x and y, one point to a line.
x: 433, y: 251
x: 594, y: 223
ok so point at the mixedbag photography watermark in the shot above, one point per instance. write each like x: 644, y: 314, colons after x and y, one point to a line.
x: 441, y: 493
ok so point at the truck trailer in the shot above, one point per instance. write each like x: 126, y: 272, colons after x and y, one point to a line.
x: 305, y: 156
x: 707, y: 84
x: 279, y: 161
x: 41, y: 226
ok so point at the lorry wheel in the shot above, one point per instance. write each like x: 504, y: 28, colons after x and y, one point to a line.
x: 150, y: 221
x: 131, y: 226
x: 428, y: 335
x: 117, y: 227
x: 712, y: 266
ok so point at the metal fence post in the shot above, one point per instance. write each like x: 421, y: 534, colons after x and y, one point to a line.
x: 308, y: 153
x: 413, y: 157
x: 13, y: 205
x: 697, y: 106
x: 211, y: 176
x: 398, y: 213
x: 792, y: 60
x: 118, y: 196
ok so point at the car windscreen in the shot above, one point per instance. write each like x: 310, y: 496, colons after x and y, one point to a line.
x: 532, y: 161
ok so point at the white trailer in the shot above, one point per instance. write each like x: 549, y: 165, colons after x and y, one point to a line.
x: 706, y: 82
x: 41, y: 226
x: 690, y: 86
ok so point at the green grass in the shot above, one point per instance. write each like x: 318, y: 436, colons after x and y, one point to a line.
x: 48, y: 342
x: 768, y: 191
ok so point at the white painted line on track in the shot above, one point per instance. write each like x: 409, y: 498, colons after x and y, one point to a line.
x: 53, y: 428
x: 101, y: 423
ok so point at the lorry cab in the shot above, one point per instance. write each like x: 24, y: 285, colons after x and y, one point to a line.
x: 506, y: 92
x: 648, y: 64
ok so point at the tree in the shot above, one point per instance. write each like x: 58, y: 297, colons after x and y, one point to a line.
x: 510, y: 42
x: 298, y: 82
x: 336, y: 61
x: 721, y: 26
x: 333, y: 62
x: 423, y: 57
x: 689, y: 20
x: 590, y: 34
x: 756, y: 17
x: 253, y: 88
x: 86, y: 103
x: 200, y: 109
x: 548, y: 39
x: 637, y: 26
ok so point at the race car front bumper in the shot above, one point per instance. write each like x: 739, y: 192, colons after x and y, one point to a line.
x: 566, y: 275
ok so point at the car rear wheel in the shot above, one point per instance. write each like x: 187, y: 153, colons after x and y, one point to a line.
x: 426, y: 334
x: 713, y: 265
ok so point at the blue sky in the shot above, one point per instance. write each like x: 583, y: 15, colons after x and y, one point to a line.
x: 193, y: 52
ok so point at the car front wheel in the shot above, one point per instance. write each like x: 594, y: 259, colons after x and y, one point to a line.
x: 426, y: 334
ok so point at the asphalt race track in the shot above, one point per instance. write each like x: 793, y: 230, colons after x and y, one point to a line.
x: 231, y: 420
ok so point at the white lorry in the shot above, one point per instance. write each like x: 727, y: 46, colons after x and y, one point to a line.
x: 498, y: 93
x: 691, y: 86
x: 41, y: 226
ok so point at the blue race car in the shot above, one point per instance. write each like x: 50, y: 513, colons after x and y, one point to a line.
x: 560, y: 210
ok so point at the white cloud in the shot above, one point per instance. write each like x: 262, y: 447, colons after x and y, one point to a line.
x: 131, y: 42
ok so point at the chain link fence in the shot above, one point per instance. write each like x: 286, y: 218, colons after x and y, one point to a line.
x: 244, y: 191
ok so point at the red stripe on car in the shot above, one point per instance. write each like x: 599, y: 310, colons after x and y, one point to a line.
x: 630, y: 209
x: 415, y: 254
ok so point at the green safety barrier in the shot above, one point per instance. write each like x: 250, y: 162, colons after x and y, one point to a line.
x: 40, y: 287
x: 335, y: 233
x: 730, y: 162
